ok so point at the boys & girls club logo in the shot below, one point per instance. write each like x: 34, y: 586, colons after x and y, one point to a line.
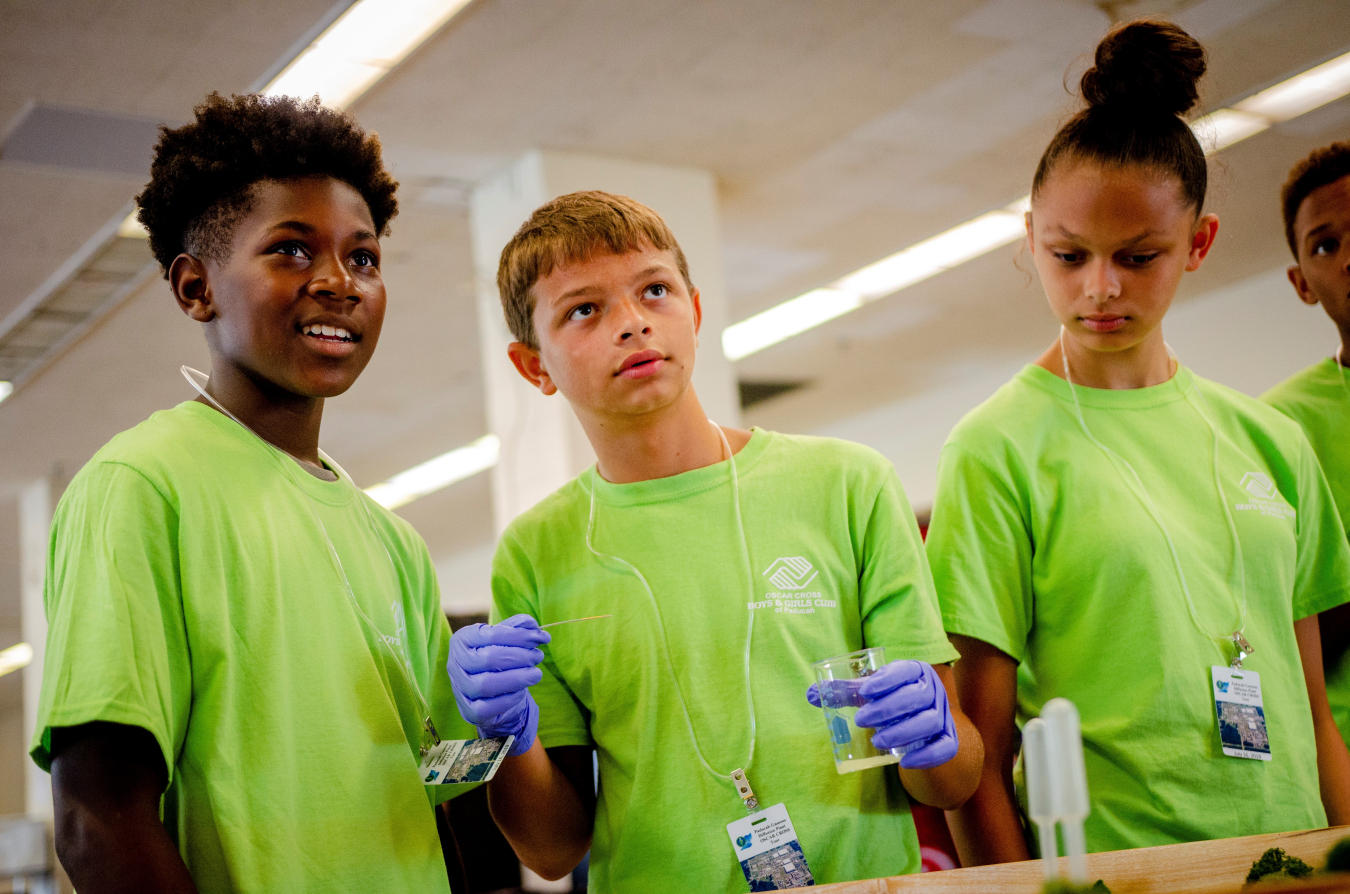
x: 743, y: 842
x: 789, y: 577
x: 1259, y: 485
x: 1265, y: 496
x: 790, y: 573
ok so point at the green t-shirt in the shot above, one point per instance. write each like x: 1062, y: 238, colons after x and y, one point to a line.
x: 835, y: 564
x: 1040, y: 547
x: 190, y: 591
x: 1319, y: 400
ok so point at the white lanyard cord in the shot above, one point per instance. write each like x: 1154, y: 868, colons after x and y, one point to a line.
x: 403, y: 662
x: 1117, y: 461
x: 665, y: 640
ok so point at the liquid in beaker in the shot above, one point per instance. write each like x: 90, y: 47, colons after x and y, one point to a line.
x: 839, y: 680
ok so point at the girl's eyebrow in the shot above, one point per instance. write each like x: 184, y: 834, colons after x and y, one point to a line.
x: 1147, y: 234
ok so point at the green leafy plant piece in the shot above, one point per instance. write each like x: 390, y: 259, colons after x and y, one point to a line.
x: 1275, y: 863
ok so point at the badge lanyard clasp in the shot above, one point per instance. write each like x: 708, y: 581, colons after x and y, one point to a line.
x: 744, y: 790
x: 432, y: 735
x: 1243, y: 648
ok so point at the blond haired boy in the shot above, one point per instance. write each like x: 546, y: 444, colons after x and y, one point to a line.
x: 730, y: 560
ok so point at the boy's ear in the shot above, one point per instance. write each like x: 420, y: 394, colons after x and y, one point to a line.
x: 187, y: 278
x: 698, y: 310
x: 531, y: 367
x: 1300, y: 284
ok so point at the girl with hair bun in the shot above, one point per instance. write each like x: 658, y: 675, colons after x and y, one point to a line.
x: 1113, y: 529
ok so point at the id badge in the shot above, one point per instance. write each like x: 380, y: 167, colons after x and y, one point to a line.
x: 1242, y: 719
x: 457, y: 761
x: 770, y: 855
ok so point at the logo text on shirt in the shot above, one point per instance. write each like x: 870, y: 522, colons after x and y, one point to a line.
x: 1266, y: 497
x: 790, y: 576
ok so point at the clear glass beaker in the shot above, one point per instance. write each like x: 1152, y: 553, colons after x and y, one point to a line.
x: 839, y: 680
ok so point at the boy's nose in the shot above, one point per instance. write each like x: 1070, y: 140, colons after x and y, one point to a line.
x: 631, y: 322
x: 332, y: 279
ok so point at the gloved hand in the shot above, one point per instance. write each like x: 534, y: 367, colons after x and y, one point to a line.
x: 492, y: 667
x: 906, y: 703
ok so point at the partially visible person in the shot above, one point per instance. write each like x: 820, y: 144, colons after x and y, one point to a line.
x: 237, y: 633
x: 1113, y: 529
x: 1316, y: 205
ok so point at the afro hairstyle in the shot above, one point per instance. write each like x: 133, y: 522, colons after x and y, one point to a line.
x: 203, y: 173
x: 1323, y: 166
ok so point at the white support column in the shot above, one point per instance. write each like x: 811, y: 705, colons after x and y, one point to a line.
x: 543, y: 445
x: 35, y: 522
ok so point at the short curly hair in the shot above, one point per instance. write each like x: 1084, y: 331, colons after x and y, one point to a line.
x: 203, y: 173
x: 1323, y: 166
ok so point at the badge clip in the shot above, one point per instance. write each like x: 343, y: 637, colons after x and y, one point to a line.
x: 431, y: 731
x: 1244, y: 649
x: 744, y: 790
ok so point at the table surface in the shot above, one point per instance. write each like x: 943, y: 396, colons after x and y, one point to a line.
x: 1198, y: 867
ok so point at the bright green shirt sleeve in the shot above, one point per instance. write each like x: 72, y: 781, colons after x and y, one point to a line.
x: 116, y: 645
x: 897, y: 602
x: 1322, y: 572
x: 562, y: 719
x: 979, y: 548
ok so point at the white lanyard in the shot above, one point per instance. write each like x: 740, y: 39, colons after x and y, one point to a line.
x: 737, y: 776
x: 1240, y: 644
x: 402, y: 662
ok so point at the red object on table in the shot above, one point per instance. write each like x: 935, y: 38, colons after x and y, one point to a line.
x: 935, y: 842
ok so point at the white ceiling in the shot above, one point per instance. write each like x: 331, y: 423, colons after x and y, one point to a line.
x: 838, y: 132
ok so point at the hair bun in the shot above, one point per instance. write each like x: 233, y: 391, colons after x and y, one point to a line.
x: 1146, y: 65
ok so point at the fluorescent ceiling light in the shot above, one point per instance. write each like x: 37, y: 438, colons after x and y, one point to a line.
x: 885, y: 277
x: 1217, y: 131
x: 1302, y: 93
x: 6, y: 389
x: 15, y: 658
x: 362, y: 46
x: 932, y: 256
x: 1221, y: 129
x: 131, y: 228
x: 786, y: 320
x: 437, y: 473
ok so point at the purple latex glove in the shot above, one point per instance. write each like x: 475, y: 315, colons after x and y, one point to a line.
x: 492, y: 667
x: 906, y: 703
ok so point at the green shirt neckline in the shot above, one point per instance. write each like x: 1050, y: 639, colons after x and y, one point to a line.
x: 1159, y: 395
x: 673, y: 487
x: 339, y: 492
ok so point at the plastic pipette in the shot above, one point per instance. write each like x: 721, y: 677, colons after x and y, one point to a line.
x: 573, y: 621
x: 1068, y: 789
x: 1038, y: 793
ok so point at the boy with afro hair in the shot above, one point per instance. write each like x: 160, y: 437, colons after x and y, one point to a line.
x: 1316, y: 205
x: 239, y: 637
